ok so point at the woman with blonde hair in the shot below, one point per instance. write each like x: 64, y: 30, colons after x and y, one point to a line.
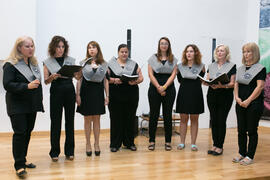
x: 90, y: 93
x: 220, y: 97
x: 249, y: 94
x: 189, y: 101
x: 21, y: 80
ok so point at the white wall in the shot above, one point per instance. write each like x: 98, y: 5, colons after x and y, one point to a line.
x: 17, y: 18
x: 184, y: 22
x: 253, y: 21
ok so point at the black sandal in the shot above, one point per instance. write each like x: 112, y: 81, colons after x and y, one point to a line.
x: 21, y: 173
x: 168, y: 147
x: 151, y: 147
x: 30, y: 165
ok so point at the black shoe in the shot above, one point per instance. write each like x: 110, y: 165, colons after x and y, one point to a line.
x: 55, y: 159
x: 151, y: 147
x: 21, y: 173
x: 217, y: 153
x: 89, y: 153
x: 71, y: 158
x: 31, y: 165
x: 210, y: 152
x: 132, y: 148
x: 168, y: 147
x: 97, y: 153
x: 113, y: 149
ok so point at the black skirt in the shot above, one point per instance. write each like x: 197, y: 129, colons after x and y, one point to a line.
x: 190, y: 97
x: 92, y: 98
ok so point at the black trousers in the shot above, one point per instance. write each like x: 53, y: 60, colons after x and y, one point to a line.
x: 62, y: 96
x: 22, y: 125
x: 219, y: 110
x: 247, y: 126
x: 155, y: 101
x: 122, y: 117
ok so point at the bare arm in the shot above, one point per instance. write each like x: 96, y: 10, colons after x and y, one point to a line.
x: 207, y: 77
x: 257, y: 91
x: 78, y: 90
x: 47, y: 77
x: 226, y: 86
x: 231, y: 83
x: 139, y: 80
x: 114, y: 80
x: 152, y: 77
x: 236, y: 88
x: 78, y: 75
x: 171, y: 78
x: 106, y: 86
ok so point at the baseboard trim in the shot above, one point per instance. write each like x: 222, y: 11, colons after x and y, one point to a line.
x: 47, y: 133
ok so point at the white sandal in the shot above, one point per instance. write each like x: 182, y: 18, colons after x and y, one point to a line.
x: 246, y: 161
x: 237, y: 159
x: 181, y: 146
x: 194, y: 147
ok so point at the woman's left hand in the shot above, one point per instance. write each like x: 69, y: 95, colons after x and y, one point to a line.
x: 106, y: 100
x: 163, y: 93
x: 78, y: 75
x: 245, y: 103
x: 117, y: 81
x: 217, y: 86
x: 133, y: 82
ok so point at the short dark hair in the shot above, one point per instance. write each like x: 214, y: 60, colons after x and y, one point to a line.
x: 122, y: 46
x: 54, y: 43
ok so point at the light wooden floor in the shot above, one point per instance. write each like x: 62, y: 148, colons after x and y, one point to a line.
x: 142, y: 164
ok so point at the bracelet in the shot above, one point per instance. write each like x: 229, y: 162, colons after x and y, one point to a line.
x: 164, y: 87
x: 226, y: 86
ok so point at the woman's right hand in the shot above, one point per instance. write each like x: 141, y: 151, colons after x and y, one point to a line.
x: 204, y: 83
x: 117, y: 81
x: 238, y: 100
x: 78, y: 100
x: 160, y: 89
x: 34, y: 84
x: 55, y: 76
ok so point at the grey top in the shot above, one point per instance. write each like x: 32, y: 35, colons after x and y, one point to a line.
x: 214, y: 71
x: 118, y: 70
x: 190, y: 73
x: 158, y: 67
x: 31, y: 73
x: 245, y: 77
x: 53, y: 65
x: 90, y: 74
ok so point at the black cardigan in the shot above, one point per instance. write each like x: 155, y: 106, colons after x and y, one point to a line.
x: 20, y: 99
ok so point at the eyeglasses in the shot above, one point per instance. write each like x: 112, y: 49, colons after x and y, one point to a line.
x: 164, y: 44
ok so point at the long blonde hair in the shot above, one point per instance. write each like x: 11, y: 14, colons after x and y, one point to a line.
x: 15, y: 54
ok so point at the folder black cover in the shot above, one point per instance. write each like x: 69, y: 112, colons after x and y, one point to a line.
x: 223, y: 78
x: 69, y: 70
x: 126, y: 78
